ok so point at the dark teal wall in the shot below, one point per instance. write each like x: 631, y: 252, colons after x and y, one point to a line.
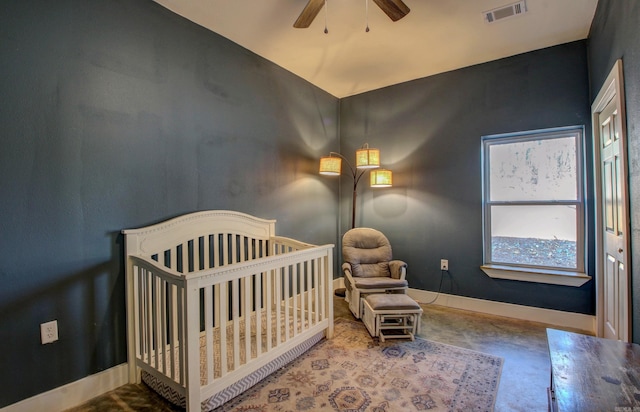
x: 118, y: 113
x: 429, y: 133
x: 115, y: 114
x: 615, y: 34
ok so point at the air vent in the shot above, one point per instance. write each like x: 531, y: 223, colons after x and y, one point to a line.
x: 505, y: 12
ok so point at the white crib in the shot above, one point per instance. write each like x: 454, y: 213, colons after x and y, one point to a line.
x: 216, y: 302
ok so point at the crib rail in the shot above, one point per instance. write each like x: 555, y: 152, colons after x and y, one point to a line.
x: 234, y: 301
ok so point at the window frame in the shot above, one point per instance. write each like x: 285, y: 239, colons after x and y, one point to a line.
x: 533, y: 273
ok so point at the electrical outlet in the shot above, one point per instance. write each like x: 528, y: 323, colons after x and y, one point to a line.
x: 444, y: 264
x: 49, y: 332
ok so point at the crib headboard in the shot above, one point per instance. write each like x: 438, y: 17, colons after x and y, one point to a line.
x: 158, y: 238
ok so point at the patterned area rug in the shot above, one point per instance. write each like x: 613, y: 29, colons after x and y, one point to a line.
x: 355, y: 373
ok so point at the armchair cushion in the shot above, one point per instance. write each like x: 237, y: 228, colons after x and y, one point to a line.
x: 384, y: 301
x: 368, y: 251
x: 379, y: 283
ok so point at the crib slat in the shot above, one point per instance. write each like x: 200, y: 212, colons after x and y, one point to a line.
x: 137, y: 280
x: 222, y: 308
x: 305, y: 295
x: 163, y: 325
x: 235, y: 316
x: 143, y: 315
x: 178, y: 333
x: 252, y: 249
x: 181, y: 337
x: 217, y: 322
x: 185, y: 257
x: 171, y: 297
x: 160, y: 339
x: 142, y: 327
x: 216, y: 250
x: 208, y: 327
x: 173, y: 259
x: 287, y: 303
x: 278, y: 307
x: 316, y: 282
x: 247, y: 318
x: 165, y: 320
x: 234, y: 248
x: 241, y: 297
x: 322, y: 287
x: 307, y: 266
x: 296, y: 287
x: 258, y: 305
x: 195, y: 254
x: 148, y: 314
x: 242, y: 249
x: 206, y: 252
x: 302, y: 297
x: 269, y: 308
x: 225, y: 250
x: 155, y: 348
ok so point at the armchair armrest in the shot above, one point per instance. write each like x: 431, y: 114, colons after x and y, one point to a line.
x: 346, y: 267
x: 398, y: 269
x: 348, y: 277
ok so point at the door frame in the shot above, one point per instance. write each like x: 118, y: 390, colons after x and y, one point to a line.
x: 613, y: 87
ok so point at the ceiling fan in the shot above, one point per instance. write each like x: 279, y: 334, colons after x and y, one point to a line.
x: 395, y: 9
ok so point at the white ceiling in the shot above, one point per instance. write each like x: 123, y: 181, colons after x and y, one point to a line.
x: 435, y: 37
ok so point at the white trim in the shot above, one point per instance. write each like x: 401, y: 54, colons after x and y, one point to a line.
x: 552, y: 317
x: 613, y: 87
x: 553, y: 277
x: 338, y: 283
x: 488, y: 141
x: 74, y: 393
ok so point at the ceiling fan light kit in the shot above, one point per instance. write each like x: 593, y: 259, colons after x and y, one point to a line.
x: 395, y: 9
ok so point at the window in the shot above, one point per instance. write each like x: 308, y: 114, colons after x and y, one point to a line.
x: 534, y: 220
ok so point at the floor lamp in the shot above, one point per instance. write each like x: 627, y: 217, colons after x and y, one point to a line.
x: 367, y: 159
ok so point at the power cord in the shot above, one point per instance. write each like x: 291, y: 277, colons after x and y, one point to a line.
x: 442, y: 271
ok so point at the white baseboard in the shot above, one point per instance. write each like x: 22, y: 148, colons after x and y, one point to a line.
x: 579, y: 321
x: 74, y: 393
x: 78, y: 392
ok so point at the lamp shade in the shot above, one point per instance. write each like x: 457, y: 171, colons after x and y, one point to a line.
x: 330, y: 165
x: 381, y: 178
x: 367, y: 158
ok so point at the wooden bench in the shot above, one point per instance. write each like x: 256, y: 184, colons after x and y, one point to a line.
x: 390, y: 315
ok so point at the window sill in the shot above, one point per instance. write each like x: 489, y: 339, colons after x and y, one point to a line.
x: 553, y: 277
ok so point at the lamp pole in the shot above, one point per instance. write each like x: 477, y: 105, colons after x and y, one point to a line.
x: 356, y: 179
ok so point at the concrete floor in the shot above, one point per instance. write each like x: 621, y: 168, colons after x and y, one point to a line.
x: 522, y: 345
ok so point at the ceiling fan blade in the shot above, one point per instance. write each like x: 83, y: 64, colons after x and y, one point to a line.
x: 395, y: 9
x: 309, y: 13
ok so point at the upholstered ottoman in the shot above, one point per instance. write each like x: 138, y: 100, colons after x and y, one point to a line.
x: 391, y: 312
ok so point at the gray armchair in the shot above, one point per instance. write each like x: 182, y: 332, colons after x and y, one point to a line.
x: 368, y: 267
